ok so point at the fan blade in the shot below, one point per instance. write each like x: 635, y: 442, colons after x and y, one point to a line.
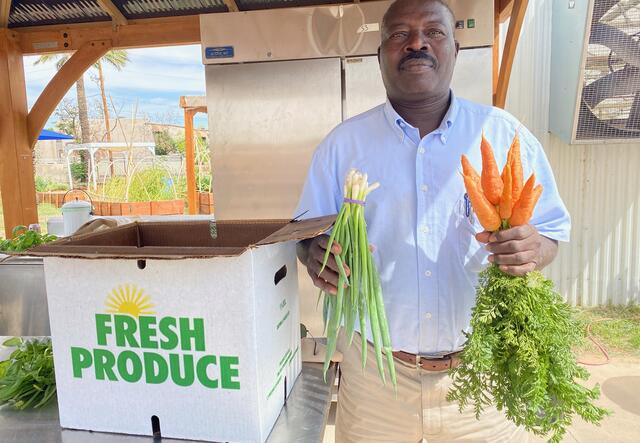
x: 621, y: 82
x: 618, y: 41
x: 633, y: 122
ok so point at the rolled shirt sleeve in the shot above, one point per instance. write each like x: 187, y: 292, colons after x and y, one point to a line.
x: 321, y: 194
x: 550, y: 216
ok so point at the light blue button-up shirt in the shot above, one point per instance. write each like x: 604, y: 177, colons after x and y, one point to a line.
x: 419, y: 220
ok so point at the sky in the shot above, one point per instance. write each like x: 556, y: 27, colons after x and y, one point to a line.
x: 154, y: 78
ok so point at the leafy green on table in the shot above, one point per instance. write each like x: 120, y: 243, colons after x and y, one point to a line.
x: 24, y: 239
x: 27, y: 378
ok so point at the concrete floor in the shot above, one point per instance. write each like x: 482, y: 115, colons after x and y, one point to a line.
x: 620, y: 386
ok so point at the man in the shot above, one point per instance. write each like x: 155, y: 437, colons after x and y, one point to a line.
x: 428, y: 245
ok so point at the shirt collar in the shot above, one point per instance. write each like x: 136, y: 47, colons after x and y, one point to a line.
x: 400, y: 125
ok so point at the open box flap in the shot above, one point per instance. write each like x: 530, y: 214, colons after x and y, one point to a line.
x: 181, y: 239
x: 300, y: 230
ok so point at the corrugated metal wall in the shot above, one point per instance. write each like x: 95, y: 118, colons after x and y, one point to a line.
x: 599, y: 183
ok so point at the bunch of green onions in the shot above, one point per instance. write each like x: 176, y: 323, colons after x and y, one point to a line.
x: 360, y: 293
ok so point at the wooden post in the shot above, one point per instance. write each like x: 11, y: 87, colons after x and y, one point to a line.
x: 17, y: 183
x: 190, y: 161
x: 510, y: 45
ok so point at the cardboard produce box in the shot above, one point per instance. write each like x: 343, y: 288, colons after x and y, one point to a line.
x: 160, y: 328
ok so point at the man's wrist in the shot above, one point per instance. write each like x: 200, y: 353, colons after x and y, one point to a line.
x: 302, y: 250
x: 548, y: 251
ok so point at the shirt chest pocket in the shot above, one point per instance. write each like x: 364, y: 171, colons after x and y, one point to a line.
x: 472, y: 253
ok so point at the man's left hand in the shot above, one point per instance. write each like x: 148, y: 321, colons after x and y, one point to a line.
x: 516, y: 251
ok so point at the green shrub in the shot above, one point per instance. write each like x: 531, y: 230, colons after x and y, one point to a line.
x: 151, y: 184
x: 165, y: 144
x: 79, y: 172
x: 203, y: 181
x: 58, y: 187
x: 46, y: 185
x: 41, y: 184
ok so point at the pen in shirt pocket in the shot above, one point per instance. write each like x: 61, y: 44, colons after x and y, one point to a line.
x: 468, y: 212
x: 467, y: 205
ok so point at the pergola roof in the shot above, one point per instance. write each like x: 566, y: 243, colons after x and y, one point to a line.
x: 25, y: 13
x: 90, y: 28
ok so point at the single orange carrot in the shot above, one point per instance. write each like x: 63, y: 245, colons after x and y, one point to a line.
x: 506, y: 200
x: 517, y: 176
x: 490, y: 175
x: 523, y: 209
x: 467, y: 169
x: 484, y: 210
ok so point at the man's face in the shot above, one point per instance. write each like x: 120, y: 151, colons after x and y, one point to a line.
x: 418, y: 50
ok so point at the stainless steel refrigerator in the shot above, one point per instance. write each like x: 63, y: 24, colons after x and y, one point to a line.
x: 278, y: 81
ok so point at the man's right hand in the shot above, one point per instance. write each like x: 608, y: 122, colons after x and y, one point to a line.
x: 315, y: 249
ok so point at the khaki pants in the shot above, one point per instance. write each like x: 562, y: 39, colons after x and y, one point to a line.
x: 370, y: 412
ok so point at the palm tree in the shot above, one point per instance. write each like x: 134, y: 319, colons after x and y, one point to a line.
x: 83, y: 115
x: 117, y: 58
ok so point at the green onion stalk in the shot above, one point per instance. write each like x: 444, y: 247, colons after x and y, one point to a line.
x: 359, y: 295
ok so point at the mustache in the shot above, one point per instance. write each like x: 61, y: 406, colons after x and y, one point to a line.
x: 418, y: 55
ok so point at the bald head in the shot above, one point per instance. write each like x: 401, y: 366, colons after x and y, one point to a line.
x: 418, y: 50
x: 399, y: 5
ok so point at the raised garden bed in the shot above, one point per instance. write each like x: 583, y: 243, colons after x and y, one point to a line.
x: 57, y: 199
x: 205, y: 203
x: 162, y: 207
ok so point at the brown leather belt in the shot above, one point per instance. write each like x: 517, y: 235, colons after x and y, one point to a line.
x: 427, y: 363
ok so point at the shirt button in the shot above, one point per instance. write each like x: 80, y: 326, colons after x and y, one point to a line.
x: 421, y: 150
x: 424, y: 188
x: 427, y: 315
x: 427, y: 273
x: 425, y: 229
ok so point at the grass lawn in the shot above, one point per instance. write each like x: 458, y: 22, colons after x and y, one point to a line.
x: 616, y: 327
x: 45, y: 210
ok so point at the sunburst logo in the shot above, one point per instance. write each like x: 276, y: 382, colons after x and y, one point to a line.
x: 129, y: 299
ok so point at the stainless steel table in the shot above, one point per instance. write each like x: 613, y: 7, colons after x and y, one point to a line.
x: 302, y: 420
x: 23, y: 298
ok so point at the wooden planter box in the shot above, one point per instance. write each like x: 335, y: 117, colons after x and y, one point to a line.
x: 165, y: 207
x: 56, y: 197
x: 205, y: 203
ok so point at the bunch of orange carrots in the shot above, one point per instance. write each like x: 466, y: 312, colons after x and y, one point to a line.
x: 518, y: 355
x: 499, y: 200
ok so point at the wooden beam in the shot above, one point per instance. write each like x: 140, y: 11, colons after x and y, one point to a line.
x: 193, y: 101
x: 165, y: 31
x: 5, y: 9
x: 17, y: 183
x: 510, y: 45
x: 506, y: 9
x: 79, y: 62
x: 116, y: 16
x: 192, y: 195
x: 232, y: 6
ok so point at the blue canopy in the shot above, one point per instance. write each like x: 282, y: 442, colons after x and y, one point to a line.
x: 51, y: 135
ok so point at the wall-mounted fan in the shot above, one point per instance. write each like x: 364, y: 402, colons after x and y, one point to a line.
x: 606, y: 99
